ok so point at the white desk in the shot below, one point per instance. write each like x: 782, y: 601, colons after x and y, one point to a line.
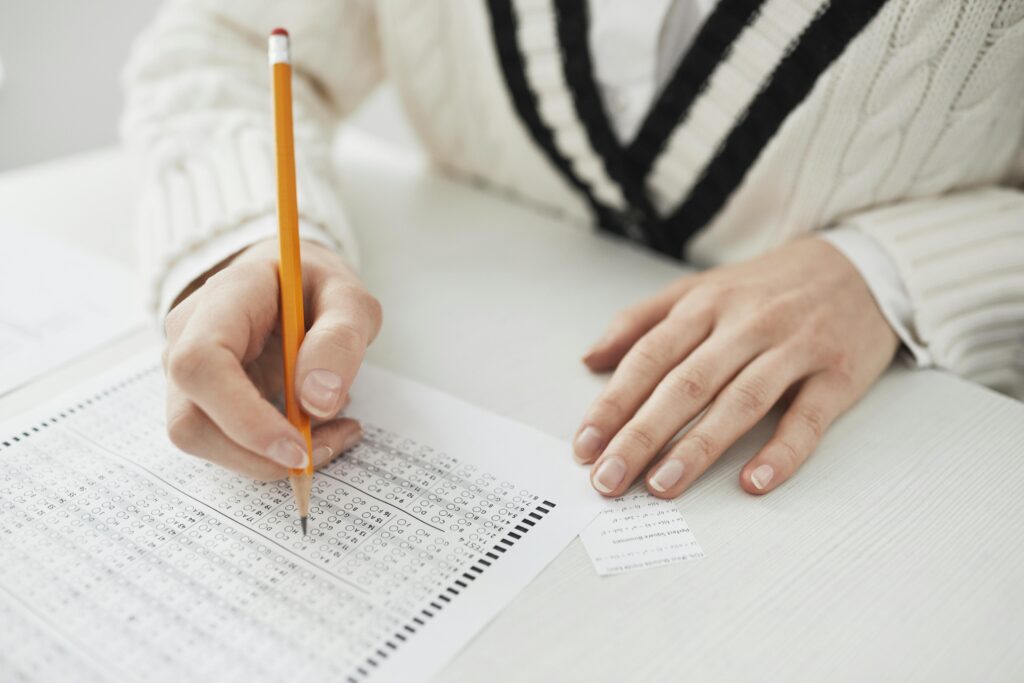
x: 897, y: 551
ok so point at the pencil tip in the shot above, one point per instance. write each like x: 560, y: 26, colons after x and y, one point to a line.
x: 303, y: 520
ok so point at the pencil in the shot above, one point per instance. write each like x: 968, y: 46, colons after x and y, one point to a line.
x: 293, y: 326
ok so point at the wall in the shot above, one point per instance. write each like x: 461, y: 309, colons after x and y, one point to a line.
x: 61, y: 92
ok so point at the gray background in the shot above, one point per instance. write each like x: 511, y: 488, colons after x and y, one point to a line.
x: 60, y: 90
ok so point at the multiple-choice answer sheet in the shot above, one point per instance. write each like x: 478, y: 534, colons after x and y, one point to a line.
x: 124, y: 559
x: 56, y: 303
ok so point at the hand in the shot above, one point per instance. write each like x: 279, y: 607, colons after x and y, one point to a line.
x: 733, y: 341
x: 223, y: 362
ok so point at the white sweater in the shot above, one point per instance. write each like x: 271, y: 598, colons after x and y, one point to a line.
x: 912, y: 136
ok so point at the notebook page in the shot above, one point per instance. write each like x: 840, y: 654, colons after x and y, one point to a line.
x: 125, y: 559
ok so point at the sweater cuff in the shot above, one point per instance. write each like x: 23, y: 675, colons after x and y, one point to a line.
x: 200, y: 260
x: 961, y: 258
x: 199, y: 197
x: 882, y: 277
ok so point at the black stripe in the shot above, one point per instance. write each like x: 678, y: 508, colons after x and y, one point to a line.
x: 503, y: 27
x: 812, y: 53
x: 821, y: 43
x: 573, y: 21
x: 710, y: 47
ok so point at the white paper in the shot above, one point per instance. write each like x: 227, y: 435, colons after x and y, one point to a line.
x: 124, y: 559
x: 637, y: 532
x: 57, y: 302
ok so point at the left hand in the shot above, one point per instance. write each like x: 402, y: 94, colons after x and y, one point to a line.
x: 733, y: 340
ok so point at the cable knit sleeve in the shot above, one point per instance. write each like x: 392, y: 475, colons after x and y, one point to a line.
x: 961, y: 257
x: 198, y: 112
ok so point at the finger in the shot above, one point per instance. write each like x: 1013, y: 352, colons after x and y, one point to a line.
x: 333, y: 438
x: 174, y: 323
x: 345, y: 320
x: 739, y: 406
x: 677, y: 399
x: 194, y: 433
x: 176, y: 318
x: 267, y: 371
x: 317, y: 421
x: 816, y: 405
x: 646, y: 364
x: 631, y: 324
x: 227, y: 327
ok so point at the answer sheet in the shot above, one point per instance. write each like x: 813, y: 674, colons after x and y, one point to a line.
x: 58, y: 302
x: 124, y: 559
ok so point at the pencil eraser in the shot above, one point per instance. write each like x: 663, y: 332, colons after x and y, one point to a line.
x: 279, y: 32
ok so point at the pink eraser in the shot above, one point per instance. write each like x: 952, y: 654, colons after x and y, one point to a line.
x: 279, y: 32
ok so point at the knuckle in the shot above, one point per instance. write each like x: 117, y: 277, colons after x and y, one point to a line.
x: 649, y: 353
x: 751, y: 395
x: 608, y: 406
x: 692, y: 308
x: 174, y: 320
x: 184, y: 428
x: 760, y: 325
x: 831, y: 352
x: 790, y: 458
x: 776, y: 314
x: 818, y: 324
x: 818, y: 329
x: 356, y: 295
x: 186, y: 362
x: 368, y: 301
x: 840, y: 377
x: 702, y: 443
x: 692, y: 384
x: 812, y: 418
x: 341, y: 337
x: 227, y: 275
x: 638, y: 439
x: 711, y: 294
x: 373, y: 308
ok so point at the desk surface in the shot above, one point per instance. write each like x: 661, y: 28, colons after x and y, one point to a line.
x: 895, y: 553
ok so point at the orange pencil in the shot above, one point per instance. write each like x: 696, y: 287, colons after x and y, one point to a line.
x: 293, y: 326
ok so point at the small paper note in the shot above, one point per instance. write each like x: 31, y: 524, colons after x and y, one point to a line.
x: 638, y: 532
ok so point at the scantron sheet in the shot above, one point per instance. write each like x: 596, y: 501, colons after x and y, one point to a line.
x: 124, y: 559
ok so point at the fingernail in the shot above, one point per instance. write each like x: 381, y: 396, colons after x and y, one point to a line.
x: 762, y: 476
x: 667, y: 476
x: 288, y: 453
x: 609, y: 474
x: 587, y: 445
x: 322, y: 454
x: 320, y: 392
x: 353, y: 438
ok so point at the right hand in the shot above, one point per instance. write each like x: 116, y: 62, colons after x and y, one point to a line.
x: 223, y: 362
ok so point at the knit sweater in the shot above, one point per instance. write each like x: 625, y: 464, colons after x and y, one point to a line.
x: 902, y: 120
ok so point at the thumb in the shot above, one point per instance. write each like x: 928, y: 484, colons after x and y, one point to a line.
x: 346, y: 318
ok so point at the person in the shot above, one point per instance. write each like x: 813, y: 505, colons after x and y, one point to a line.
x: 848, y: 173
